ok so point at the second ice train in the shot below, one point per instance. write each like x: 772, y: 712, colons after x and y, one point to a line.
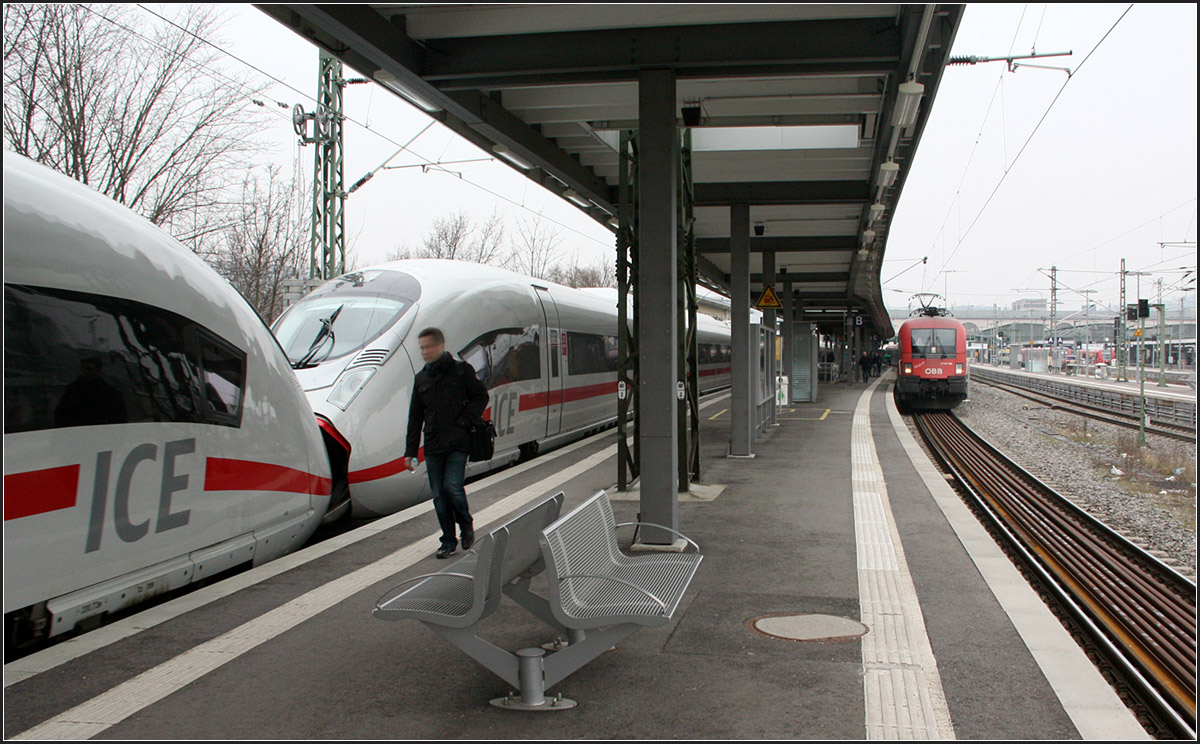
x: 547, y: 354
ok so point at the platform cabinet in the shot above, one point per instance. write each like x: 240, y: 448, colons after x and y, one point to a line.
x: 805, y: 348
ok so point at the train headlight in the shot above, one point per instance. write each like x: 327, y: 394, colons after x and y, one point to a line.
x: 958, y: 369
x: 348, y: 386
x: 908, y: 368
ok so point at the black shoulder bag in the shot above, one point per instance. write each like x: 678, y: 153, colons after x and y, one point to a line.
x: 481, y: 438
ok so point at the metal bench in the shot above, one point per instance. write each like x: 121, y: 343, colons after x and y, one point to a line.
x: 593, y: 584
x: 599, y: 594
x: 453, y: 601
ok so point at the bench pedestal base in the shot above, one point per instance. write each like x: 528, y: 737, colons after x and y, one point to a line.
x: 533, y: 686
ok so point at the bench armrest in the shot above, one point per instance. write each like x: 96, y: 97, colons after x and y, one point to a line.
x: 659, y: 526
x: 389, y: 592
x: 657, y: 601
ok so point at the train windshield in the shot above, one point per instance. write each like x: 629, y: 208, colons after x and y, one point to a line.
x: 934, y: 343
x: 344, y: 316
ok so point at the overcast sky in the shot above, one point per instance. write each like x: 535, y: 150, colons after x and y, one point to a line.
x: 1109, y: 174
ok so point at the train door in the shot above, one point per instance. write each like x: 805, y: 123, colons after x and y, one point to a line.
x: 556, y: 349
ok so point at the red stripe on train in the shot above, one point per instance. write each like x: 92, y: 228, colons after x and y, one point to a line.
x: 382, y: 471
x: 40, y: 491
x: 532, y: 401
x: 528, y: 402
x: 222, y: 474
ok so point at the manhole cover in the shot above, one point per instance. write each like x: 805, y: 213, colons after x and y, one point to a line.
x: 818, y: 628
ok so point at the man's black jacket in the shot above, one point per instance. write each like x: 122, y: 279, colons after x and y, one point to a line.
x: 447, y: 397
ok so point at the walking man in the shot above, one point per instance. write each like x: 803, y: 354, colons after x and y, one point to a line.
x: 446, y: 398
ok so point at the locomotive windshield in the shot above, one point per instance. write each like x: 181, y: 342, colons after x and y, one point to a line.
x: 344, y: 315
x: 934, y: 343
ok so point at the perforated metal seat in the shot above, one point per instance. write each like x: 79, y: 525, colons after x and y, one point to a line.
x: 593, y: 584
x: 469, y: 589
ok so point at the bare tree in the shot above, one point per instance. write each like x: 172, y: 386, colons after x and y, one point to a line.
x: 456, y: 237
x: 132, y: 109
x: 448, y: 237
x: 599, y: 273
x: 535, y: 247
x: 267, y: 243
x: 487, y: 246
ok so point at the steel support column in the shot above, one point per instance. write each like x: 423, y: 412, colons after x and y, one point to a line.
x: 740, y: 398
x: 689, y: 349
x: 628, y: 457
x: 658, y: 184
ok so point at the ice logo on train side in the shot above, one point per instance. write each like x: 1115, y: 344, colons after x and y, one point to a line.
x: 172, y: 483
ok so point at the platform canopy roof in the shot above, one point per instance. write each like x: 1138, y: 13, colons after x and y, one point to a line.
x: 792, y: 107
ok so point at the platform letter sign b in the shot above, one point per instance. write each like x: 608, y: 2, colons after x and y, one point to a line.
x: 858, y: 320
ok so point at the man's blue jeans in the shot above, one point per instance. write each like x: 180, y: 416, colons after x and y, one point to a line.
x: 447, y: 471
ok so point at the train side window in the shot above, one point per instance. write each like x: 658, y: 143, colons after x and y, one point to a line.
x: 223, y: 370
x: 81, y: 359
x: 554, y: 353
x: 590, y: 353
x: 505, y: 356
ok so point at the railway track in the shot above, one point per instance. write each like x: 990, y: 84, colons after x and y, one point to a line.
x: 1099, y: 413
x: 1136, y: 615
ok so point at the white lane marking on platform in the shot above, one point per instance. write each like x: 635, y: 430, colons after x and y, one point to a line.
x: 901, y: 682
x: 109, y: 708
x: 1090, y: 702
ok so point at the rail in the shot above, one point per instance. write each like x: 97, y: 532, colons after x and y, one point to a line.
x: 1139, y: 614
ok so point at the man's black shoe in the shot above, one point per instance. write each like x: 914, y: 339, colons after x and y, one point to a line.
x: 445, y: 552
x: 468, y: 539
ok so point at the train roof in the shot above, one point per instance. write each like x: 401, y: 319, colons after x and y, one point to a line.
x: 941, y: 321
x: 61, y: 233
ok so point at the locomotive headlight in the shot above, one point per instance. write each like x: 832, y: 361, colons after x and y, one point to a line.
x: 348, y: 386
x: 908, y: 368
x: 958, y: 369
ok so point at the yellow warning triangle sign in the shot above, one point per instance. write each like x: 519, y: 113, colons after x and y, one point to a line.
x: 768, y: 300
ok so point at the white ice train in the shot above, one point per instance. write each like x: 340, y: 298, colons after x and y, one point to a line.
x: 154, y: 432
x: 547, y: 354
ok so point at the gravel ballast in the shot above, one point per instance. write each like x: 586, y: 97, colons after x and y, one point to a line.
x: 1100, y: 468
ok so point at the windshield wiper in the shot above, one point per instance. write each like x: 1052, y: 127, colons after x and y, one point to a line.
x: 326, y: 331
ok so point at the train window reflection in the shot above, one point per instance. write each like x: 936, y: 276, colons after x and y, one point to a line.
x: 504, y: 356
x: 78, y: 359
x: 224, y: 378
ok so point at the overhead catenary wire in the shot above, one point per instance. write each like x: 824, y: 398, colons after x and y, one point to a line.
x: 1029, y: 139
x: 427, y: 161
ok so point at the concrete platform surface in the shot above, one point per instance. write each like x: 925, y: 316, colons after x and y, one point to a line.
x: 837, y: 515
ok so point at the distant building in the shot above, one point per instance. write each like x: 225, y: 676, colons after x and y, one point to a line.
x: 1026, y: 305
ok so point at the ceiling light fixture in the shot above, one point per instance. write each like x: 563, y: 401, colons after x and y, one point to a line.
x: 503, y: 151
x: 386, y: 78
x: 907, y: 103
x: 576, y: 197
x: 887, y: 173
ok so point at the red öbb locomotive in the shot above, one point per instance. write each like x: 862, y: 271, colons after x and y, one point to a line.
x: 932, y: 369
